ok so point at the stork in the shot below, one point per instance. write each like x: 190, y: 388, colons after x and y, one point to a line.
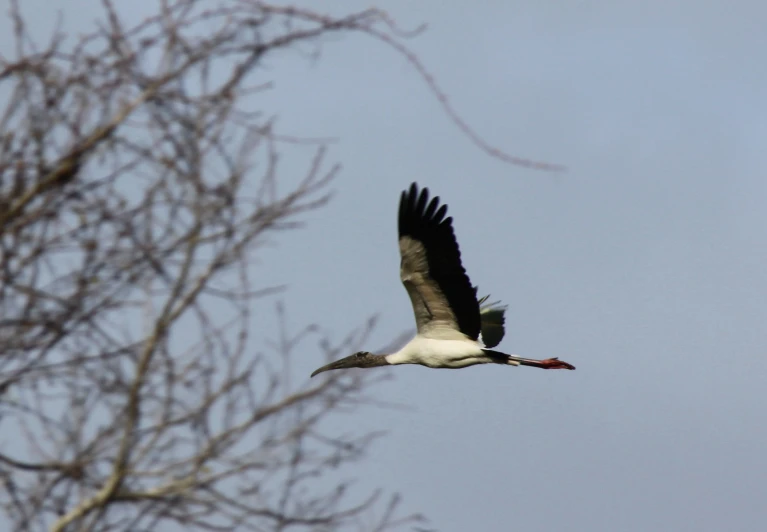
x: 454, y: 328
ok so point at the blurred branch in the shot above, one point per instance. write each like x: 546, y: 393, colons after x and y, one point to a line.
x: 139, y: 185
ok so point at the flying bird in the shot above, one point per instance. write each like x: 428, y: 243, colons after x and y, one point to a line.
x: 455, y: 329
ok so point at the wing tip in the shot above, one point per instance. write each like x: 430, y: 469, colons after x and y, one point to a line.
x: 417, y: 208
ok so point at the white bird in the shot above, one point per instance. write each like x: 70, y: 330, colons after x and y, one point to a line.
x: 448, y: 315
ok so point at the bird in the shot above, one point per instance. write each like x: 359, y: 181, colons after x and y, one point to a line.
x: 455, y: 328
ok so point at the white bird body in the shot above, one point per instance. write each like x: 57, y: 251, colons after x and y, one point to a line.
x: 449, y: 317
x: 436, y: 353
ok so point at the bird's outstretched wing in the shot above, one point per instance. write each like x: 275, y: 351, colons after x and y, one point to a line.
x: 444, y: 301
x: 492, y: 320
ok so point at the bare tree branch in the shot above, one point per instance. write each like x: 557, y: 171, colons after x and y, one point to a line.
x: 139, y: 181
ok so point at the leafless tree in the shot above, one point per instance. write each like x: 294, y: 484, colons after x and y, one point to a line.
x: 138, y: 180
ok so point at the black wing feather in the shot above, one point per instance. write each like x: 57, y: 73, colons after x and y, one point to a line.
x: 422, y: 220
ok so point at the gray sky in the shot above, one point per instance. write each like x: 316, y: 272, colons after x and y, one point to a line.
x: 643, y: 265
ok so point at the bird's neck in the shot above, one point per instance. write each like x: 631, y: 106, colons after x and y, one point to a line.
x: 396, y: 358
x: 407, y: 355
x: 373, y: 360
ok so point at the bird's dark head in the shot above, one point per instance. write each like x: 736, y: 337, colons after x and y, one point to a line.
x: 360, y: 359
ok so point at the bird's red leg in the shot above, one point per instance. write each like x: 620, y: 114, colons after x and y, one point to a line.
x: 549, y: 363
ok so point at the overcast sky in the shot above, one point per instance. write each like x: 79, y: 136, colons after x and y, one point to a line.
x: 643, y: 264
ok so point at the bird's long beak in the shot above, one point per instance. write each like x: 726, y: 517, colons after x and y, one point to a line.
x: 348, y: 362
